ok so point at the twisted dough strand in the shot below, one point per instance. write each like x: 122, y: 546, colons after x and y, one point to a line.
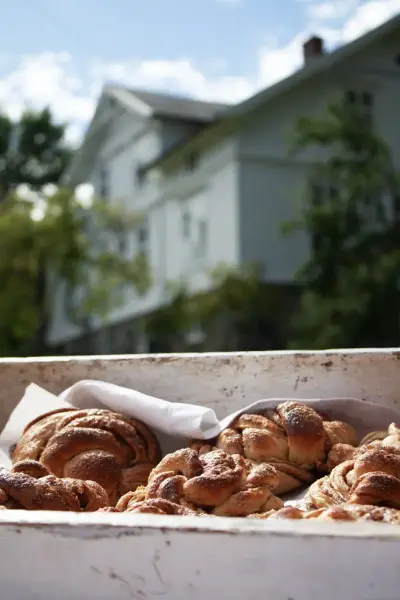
x: 341, y: 512
x: 93, y: 444
x: 372, y: 478
x: 293, y: 438
x: 214, y: 482
x: 160, y: 506
x: 30, y: 485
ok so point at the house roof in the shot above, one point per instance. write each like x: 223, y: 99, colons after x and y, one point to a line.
x: 313, y: 68
x: 326, y: 61
x: 148, y: 105
x: 175, y: 107
x: 211, y: 115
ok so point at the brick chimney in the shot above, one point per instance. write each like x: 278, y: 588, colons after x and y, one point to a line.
x: 313, y: 48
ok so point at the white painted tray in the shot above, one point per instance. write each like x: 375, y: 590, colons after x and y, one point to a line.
x: 113, y: 556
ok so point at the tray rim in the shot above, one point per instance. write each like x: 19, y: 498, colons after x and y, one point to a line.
x: 394, y: 351
x: 95, y: 525
x: 92, y: 524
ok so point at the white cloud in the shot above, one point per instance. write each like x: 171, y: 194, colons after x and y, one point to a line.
x: 46, y: 79
x: 181, y: 76
x: 367, y: 16
x: 51, y: 79
x: 327, y: 11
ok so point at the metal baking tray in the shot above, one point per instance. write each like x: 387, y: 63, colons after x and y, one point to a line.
x: 71, y: 556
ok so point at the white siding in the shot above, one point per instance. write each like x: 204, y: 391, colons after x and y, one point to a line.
x: 130, y: 143
x: 272, y: 182
x: 243, y: 188
x: 215, y: 203
x: 271, y: 196
x: 210, y: 192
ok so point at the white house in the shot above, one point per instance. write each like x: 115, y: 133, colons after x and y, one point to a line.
x: 215, y: 182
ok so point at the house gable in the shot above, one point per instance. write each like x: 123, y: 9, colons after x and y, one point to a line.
x: 110, y: 109
x: 181, y: 117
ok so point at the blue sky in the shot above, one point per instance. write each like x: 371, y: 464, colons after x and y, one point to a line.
x: 60, y: 52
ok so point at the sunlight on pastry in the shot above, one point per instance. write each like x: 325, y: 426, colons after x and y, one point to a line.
x: 97, y: 460
x: 98, y: 445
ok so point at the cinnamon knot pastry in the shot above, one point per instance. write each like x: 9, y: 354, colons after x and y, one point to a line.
x: 159, y: 506
x: 29, y: 485
x: 93, y: 444
x: 293, y: 438
x: 389, y: 439
x: 341, y: 512
x: 372, y: 478
x: 216, y: 482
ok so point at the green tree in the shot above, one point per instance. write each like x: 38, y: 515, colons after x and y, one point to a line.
x: 351, y: 213
x: 32, y: 151
x: 240, y: 312
x: 51, y: 240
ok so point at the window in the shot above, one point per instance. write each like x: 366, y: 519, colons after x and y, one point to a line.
x: 200, y: 248
x: 15, y: 139
x: 139, y: 176
x: 186, y: 224
x: 193, y: 225
x: 317, y: 194
x: 361, y: 101
x: 104, y: 183
x: 143, y: 239
x: 192, y: 161
x: 122, y: 241
x: 322, y: 192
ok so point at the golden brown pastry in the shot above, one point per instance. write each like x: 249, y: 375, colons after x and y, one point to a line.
x: 389, y: 439
x: 342, y: 512
x: 293, y: 438
x: 159, y: 506
x: 93, y: 444
x: 339, y: 454
x: 215, y: 482
x: 372, y: 478
x: 30, y: 485
x: 287, y: 512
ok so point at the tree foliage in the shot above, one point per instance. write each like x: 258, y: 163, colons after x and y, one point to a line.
x: 32, y: 151
x: 351, y: 281
x: 46, y: 248
x: 239, y: 312
x: 51, y: 244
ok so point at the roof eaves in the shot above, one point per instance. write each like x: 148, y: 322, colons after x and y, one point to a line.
x: 161, y: 158
x: 124, y: 99
x: 186, y: 144
x: 129, y: 100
